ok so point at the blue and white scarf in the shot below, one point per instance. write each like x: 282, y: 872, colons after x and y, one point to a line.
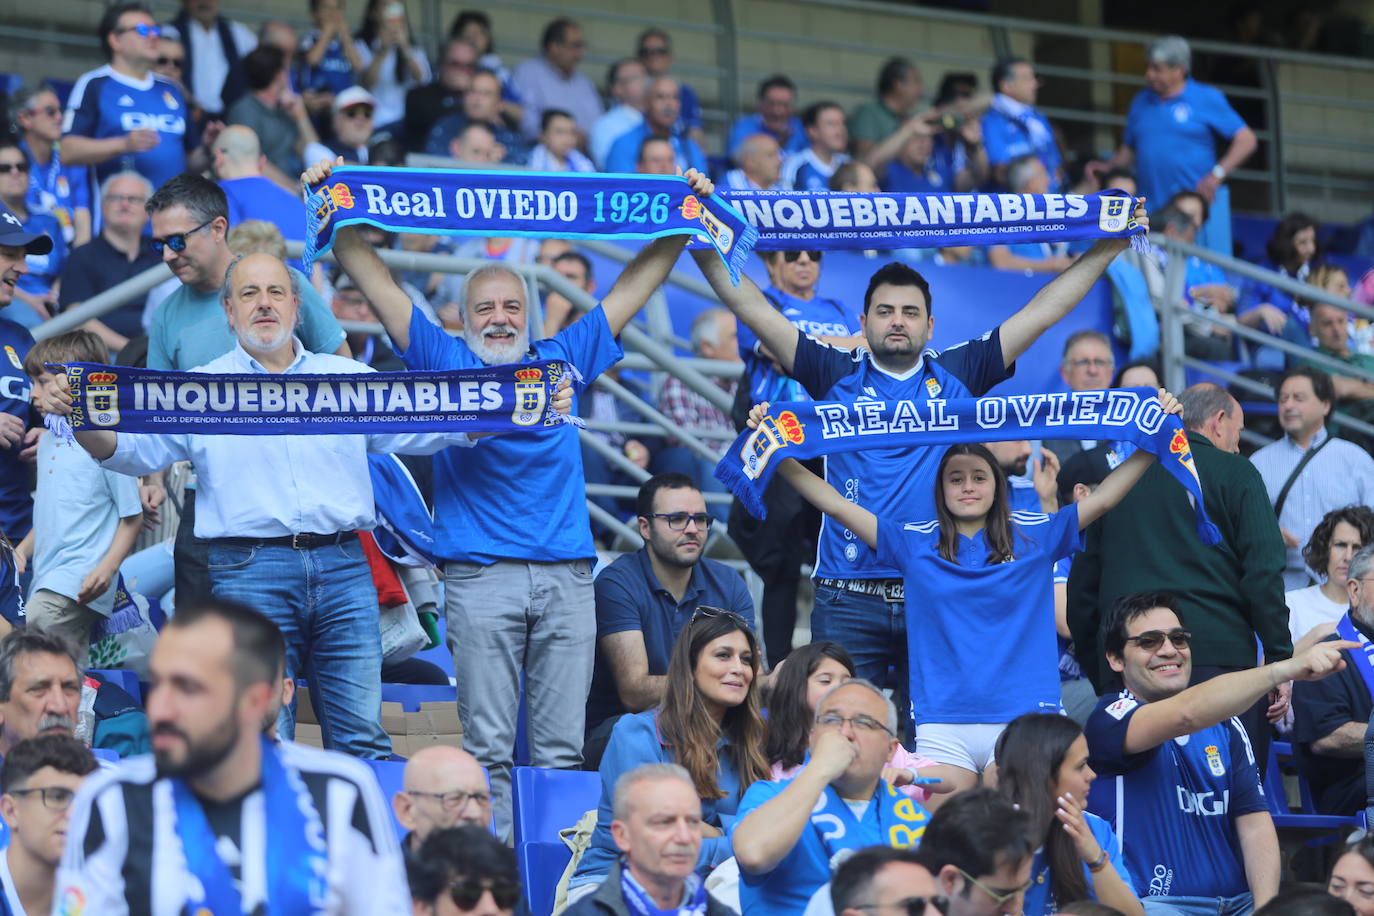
x: 638, y: 901
x: 568, y: 205
x: 797, y: 220
x: 488, y: 399
x: 1346, y: 629
x: 809, y: 429
x: 297, y: 857
x: 901, y: 822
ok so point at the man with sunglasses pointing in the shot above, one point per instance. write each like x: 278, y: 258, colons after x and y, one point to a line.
x: 1177, y: 778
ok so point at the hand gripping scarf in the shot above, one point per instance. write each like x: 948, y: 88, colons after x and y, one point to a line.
x: 808, y: 429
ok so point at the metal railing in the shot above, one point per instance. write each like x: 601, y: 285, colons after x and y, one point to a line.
x: 1174, y: 314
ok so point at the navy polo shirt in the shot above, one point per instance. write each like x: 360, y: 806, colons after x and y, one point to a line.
x: 1319, y: 708
x: 629, y: 597
x: 95, y: 267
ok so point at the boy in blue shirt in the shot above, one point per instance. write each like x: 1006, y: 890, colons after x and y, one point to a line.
x: 1177, y: 778
x: 86, y: 518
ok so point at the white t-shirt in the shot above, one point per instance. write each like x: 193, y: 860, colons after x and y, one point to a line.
x: 1308, y: 607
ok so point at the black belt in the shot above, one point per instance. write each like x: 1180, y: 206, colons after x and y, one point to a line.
x: 887, y: 589
x: 303, y: 541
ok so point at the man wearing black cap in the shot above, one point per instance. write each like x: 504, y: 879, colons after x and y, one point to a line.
x: 16, y: 439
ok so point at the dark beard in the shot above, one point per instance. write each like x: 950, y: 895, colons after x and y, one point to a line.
x: 201, y: 758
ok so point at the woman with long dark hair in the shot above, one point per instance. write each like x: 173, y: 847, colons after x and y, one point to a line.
x: 1336, y: 539
x: 1042, y: 767
x: 708, y: 722
x: 979, y: 596
x: 1292, y: 251
x: 810, y: 672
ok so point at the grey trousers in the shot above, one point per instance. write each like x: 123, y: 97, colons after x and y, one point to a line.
x: 539, y: 618
x: 61, y: 614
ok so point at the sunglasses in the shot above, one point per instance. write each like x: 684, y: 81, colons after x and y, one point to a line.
x: 144, y: 30
x: 792, y: 256
x: 466, y: 893
x: 171, y: 61
x: 7, y: 167
x: 1151, y: 640
x: 358, y: 111
x: 706, y: 610
x: 177, y: 241
x: 652, y: 52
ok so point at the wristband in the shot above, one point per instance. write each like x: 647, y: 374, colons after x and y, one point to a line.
x: 1218, y: 172
x: 1100, y: 864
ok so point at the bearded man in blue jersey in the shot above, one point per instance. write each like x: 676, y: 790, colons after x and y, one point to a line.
x: 1177, y: 778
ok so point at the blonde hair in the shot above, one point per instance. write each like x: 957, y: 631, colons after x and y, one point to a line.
x: 255, y: 236
x: 1321, y: 275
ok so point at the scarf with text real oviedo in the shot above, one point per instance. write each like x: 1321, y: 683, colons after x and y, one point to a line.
x: 809, y: 429
x: 567, y: 205
x: 489, y: 399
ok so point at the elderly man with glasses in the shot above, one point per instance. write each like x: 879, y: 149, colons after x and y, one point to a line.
x: 442, y: 787
x: 787, y: 833
x: 645, y: 598
x: 1177, y: 778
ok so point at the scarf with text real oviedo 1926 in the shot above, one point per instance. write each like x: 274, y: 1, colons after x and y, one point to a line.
x: 809, y: 429
x: 568, y: 205
x: 489, y: 399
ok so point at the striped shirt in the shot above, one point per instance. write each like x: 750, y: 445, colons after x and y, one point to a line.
x: 123, y: 855
x: 1341, y: 474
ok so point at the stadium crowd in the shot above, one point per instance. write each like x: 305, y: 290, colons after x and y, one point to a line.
x: 1030, y: 687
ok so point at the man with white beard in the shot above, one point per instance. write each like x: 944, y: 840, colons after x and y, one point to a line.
x: 510, y: 516
x: 281, y: 514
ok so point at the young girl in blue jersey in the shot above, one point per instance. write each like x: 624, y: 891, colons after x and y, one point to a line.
x: 1042, y: 768
x: 979, y: 596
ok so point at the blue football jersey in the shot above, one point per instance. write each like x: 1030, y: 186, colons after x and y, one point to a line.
x: 105, y: 103
x: 16, y: 506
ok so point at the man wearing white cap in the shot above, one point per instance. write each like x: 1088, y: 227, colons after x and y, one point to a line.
x: 353, y: 110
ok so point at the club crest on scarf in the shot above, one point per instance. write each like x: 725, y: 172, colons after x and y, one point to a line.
x: 1114, y: 214
x: 1179, y: 446
x: 101, y: 401
x: 529, y: 396
x: 332, y: 199
x: 771, y: 435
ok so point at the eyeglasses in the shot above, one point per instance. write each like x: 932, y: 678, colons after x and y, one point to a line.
x: 177, y: 241
x: 144, y: 30
x: 171, y: 61
x: 454, y: 801
x: 912, y: 906
x: 1151, y: 640
x: 136, y: 200
x: 51, y: 111
x: 7, y: 167
x: 1095, y: 363
x: 58, y: 798
x: 357, y: 111
x: 467, y: 892
x: 999, y: 896
x: 792, y: 256
x: 860, y: 723
x: 652, y: 52
x: 677, y: 521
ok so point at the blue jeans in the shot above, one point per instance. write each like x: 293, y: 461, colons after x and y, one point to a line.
x: 1238, y: 905
x: 324, y: 602
x: 872, y: 629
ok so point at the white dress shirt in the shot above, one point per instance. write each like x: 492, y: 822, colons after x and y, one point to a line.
x: 270, y: 486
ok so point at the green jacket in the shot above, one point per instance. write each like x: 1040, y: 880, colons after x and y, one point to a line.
x: 1227, y: 594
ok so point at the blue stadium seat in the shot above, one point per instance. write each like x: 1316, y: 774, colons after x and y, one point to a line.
x: 1307, y: 818
x: 121, y: 677
x: 389, y: 775
x: 547, y: 801
x: 410, y: 696
x: 541, y: 865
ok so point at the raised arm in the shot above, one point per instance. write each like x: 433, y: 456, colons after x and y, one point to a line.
x: 365, y: 268
x: 639, y: 279
x: 1227, y: 695
x: 777, y: 335
x: 1058, y: 297
x: 767, y: 834
x: 826, y: 498
x: 1119, y: 482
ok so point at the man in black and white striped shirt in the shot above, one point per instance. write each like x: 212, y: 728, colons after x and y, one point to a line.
x: 218, y: 817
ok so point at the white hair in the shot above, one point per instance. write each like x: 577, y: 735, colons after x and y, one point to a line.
x: 871, y: 688
x: 706, y: 328
x: 126, y: 174
x: 620, y: 801
x: 1172, y: 51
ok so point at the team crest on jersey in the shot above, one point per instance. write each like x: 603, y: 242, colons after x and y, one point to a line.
x: 1115, y: 214
x: 1214, y: 760
x: 102, y: 398
x: 933, y: 388
x: 529, y: 396
x: 171, y: 100
x: 14, y: 357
